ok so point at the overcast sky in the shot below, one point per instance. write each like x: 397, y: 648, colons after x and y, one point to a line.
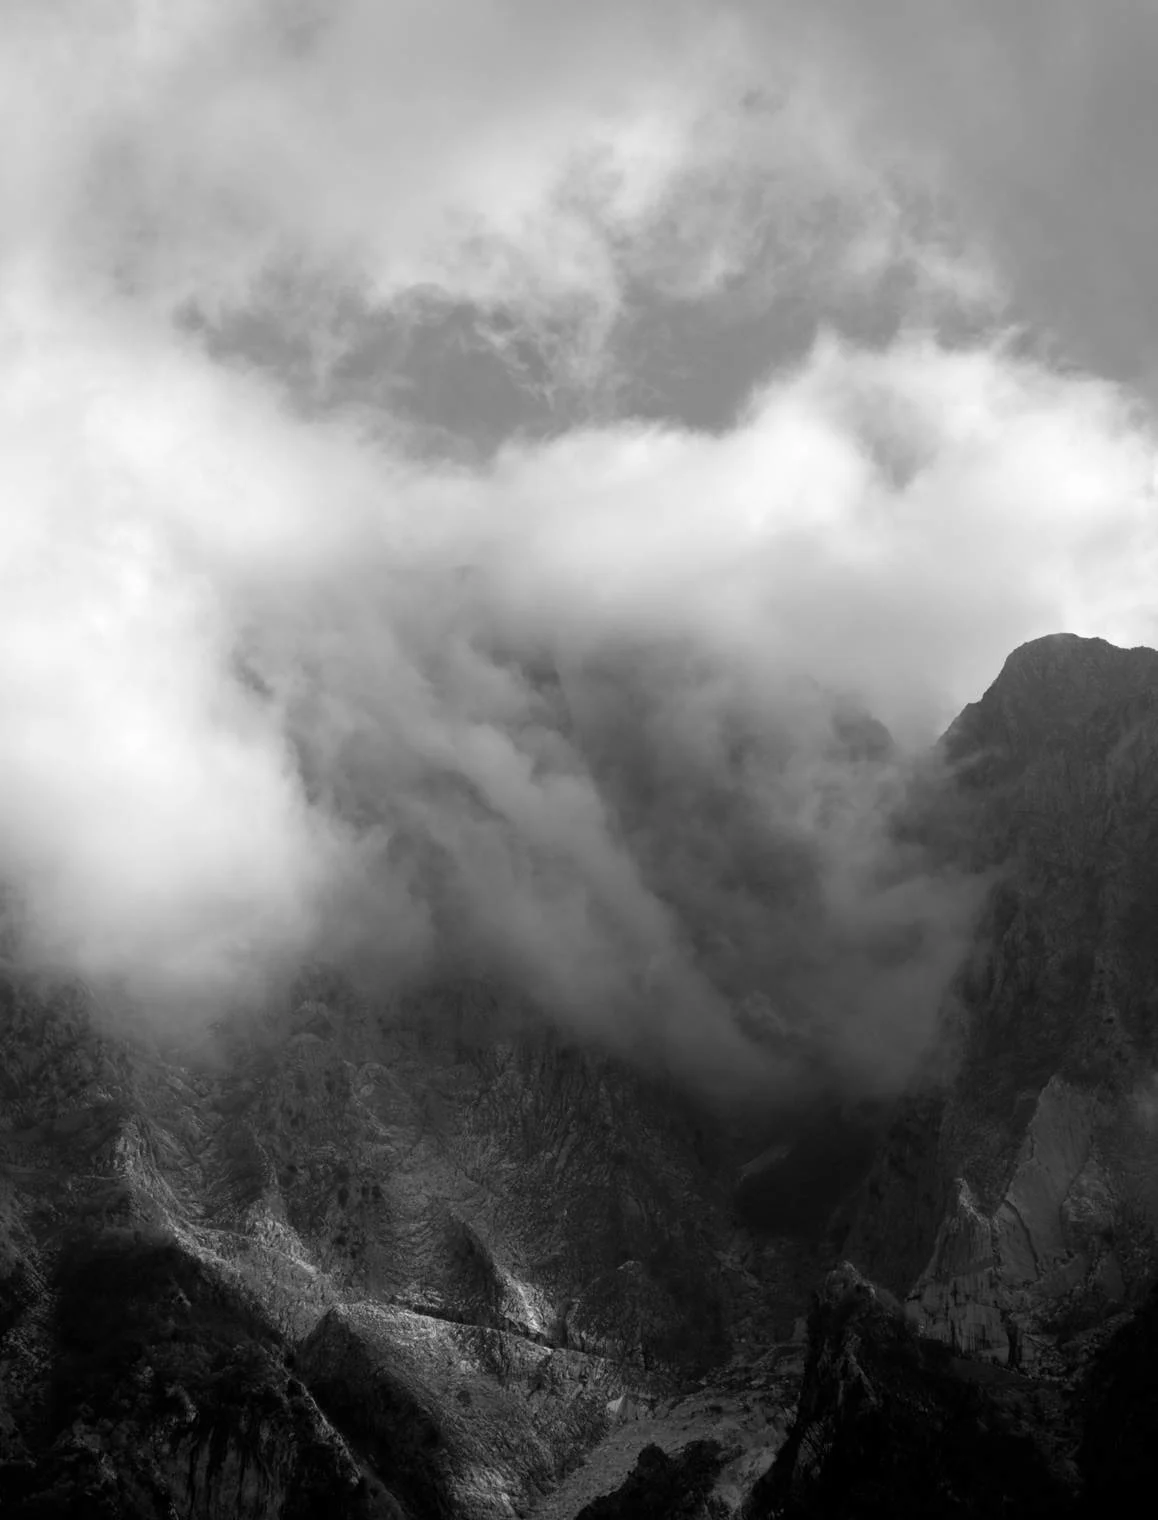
x: 377, y: 376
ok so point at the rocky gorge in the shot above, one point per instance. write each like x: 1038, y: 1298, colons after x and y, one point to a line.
x: 430, y: 1258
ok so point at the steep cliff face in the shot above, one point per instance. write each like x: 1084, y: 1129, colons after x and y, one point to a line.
x: 1016, y: 1207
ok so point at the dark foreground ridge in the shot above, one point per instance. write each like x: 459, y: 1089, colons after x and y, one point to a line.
x: 894, y: 1425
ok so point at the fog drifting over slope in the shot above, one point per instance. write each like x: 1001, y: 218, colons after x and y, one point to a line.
x: 283, y: 676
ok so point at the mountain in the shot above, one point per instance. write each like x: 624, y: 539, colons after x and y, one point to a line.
x: 1016, y: 1206
x: 430, y: 1259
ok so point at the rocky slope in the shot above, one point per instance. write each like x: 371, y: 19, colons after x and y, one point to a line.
x: 418, y: 1260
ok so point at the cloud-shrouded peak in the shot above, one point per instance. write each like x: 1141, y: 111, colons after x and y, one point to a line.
x: 310, y: 646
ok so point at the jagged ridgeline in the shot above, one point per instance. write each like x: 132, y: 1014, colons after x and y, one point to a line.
x: 438, y: 1258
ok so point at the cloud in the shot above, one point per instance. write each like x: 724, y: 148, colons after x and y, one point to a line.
x: 253, y: 152
x: 392, y: 144
x: 584, y: 714
x: 1038, y: 120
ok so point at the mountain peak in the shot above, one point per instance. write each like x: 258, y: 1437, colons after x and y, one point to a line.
x: 1066, y: 662
x: 1049, y: 685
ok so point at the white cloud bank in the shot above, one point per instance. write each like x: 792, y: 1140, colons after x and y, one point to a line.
x: 274, y: 687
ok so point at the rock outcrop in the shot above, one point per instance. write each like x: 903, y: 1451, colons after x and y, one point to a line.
x: 891, y: 1424
x: 663, y: 1487
x: 894, y: 1424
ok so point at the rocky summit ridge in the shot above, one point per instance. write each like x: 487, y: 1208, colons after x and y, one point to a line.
x: 430, y: 1260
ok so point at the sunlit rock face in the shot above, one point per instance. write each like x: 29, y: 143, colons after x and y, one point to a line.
x: 1017, y: 1207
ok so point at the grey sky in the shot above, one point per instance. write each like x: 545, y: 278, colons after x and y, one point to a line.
x: 1030, y: 126
x: 1040, y: 122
